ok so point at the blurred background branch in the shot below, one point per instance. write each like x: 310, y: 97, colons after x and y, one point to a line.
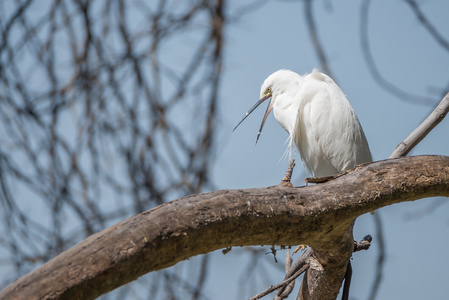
x: 100, y: 122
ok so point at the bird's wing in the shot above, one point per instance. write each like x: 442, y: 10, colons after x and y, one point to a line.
x: 334, y: 127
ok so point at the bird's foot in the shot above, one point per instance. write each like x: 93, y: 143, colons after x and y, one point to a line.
x: 285, y: 183
x: 320, y: 179
x: 300, y: 248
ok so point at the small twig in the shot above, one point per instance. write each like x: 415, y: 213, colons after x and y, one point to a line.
x: 364, y: 244
x: 299, y: 263
x: 427, y: 25
x: 310, y: 21
x: 288, y: 261
x: 380, y: 259
x: 273, y: 251
x: 423, y: 129
x: 282, y: 284
x: 289, y: 288
x: 288, y: 175
x: 374, y: 69
x: 225, y: 251
x: 347, y: 284
x: 299, y: 267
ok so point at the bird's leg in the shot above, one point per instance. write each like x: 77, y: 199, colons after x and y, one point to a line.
x: 288, y: 175
x: 286, y: 182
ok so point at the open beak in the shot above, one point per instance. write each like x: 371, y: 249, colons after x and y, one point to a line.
x: 267, y: 112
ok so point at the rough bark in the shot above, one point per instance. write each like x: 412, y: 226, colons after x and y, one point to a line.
x: 320, y: 216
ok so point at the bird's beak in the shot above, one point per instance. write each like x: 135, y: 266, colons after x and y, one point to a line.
x: 267, y: 112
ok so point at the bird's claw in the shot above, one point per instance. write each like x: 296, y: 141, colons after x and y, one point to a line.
x: 301, y: 247
x: 285, y: 183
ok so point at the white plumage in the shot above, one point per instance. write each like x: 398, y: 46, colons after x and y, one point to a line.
x: 319, y: 119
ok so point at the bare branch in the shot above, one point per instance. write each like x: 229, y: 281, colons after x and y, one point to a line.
x: 364, y: 244
x: 377, y: 75
x: 426, y: 23
x: 320, y: 215
x: 347, y: 283
x: 423, y: 129
x: 380, y: 259
x: 290, y: 286
x: 315, y: 40
x: 298, y: 265
x: 90, y: 120
x: 284, y: 283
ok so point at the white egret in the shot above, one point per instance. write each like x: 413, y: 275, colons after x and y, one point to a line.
x: 319, y: 119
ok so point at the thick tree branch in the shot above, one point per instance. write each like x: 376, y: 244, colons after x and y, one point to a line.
x: 320, y: 216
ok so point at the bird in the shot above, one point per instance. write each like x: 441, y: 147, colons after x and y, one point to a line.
x: 318, y: 118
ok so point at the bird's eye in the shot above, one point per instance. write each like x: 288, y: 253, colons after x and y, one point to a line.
x: 268, y: 90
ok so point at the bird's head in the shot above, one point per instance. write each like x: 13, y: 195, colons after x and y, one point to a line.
x: 276, y: 84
